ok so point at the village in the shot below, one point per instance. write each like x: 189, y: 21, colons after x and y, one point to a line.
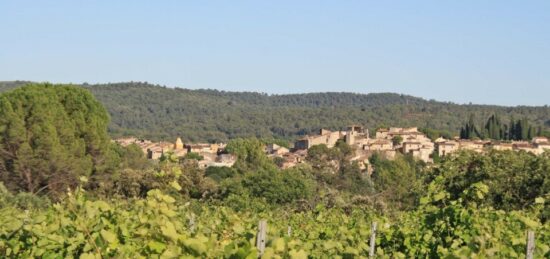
x: 387, y: 142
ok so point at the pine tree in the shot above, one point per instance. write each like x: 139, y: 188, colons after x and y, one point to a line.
x: 52, y: 135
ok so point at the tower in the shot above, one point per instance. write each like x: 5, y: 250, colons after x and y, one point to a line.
x: 178, y: 145
x: 350, y: 137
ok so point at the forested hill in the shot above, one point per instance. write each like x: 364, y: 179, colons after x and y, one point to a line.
x: 158, y: 112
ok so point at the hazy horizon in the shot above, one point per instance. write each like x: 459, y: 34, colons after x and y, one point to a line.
x: 495, y: 53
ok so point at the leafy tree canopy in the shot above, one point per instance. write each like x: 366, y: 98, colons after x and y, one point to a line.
x: 50, y: 135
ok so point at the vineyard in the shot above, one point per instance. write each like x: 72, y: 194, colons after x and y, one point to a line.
x: 161, y: 227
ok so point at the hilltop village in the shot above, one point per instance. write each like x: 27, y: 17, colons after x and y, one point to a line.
x: 208, y: 154
x: 386, y: 142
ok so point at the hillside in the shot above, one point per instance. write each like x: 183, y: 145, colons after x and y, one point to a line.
x: 159, y: 112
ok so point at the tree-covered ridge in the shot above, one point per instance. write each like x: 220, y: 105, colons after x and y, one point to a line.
x: 157, y: 112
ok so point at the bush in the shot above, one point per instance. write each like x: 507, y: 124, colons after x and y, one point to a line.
x: 275, y: 187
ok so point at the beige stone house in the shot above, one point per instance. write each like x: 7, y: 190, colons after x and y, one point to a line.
x: 543, y: 146
x: 502, y: 146
x: 474, y: 145
x: 527, y: 147
x: 447, y: 147
x: 327, y: 137
x: 539, y: 140
x: 379, y: 145
x: 276, y: 150
x: 202, y: 148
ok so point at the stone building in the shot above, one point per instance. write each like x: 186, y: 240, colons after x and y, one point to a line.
x: 326, y: 137
x: 379, y: 145
x: 447, y: 147
x: 202, y: 148
x: 502, y: 146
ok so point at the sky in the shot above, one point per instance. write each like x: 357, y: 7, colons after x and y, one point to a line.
x: 485, y: 52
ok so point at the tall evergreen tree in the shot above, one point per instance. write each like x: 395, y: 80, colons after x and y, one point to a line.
x: 524, y: 129
x: 495, y: 128
x: 512, y: 129
x: 470, y: 131
x: 50, y: 135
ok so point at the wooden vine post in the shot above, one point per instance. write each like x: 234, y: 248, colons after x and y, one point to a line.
x: 289, y: 231
x: 192, y: 223
x: 261, y: 237
x: 373, y: 240
x: 529, y: 254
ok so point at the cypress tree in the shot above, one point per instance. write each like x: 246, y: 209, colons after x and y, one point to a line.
x: 512, y: 129
x: 532, y: 133
x: 524, y: 129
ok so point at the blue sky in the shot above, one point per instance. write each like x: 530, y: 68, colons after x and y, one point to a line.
x: 494, y: 52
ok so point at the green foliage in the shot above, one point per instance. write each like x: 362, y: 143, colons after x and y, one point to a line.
x: 279, y: 187
x: 342, y: 182
x: 443, y: 228
x: 219, y: 173
x: 470, y: 131
x: 277, y: 141
x: 398, y: 182
x: 160, y: 226
x: 268, y: 187
x: 131, y: 157
x: 50, y: 135
x: 319, y: 156
x: 397, y: 140
x: 193, y: 155
x: 434, y: 134
x: 514, y: 179
x: 250, y: 155
x: 495, y: 129
x: 22, y: 200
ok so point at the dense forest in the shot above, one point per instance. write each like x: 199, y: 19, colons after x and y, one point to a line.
x: 66, y: 191
x: 161, y: 113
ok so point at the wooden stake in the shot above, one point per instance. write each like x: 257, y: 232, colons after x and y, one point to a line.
x: 372, y: 240
x: 530, y: 245
x: 262, y: 236
x: 192, y: 223
x: 289, y: 231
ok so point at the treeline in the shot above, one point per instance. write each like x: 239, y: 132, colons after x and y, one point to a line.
x: 161, y: 113
x: 496, y: 129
